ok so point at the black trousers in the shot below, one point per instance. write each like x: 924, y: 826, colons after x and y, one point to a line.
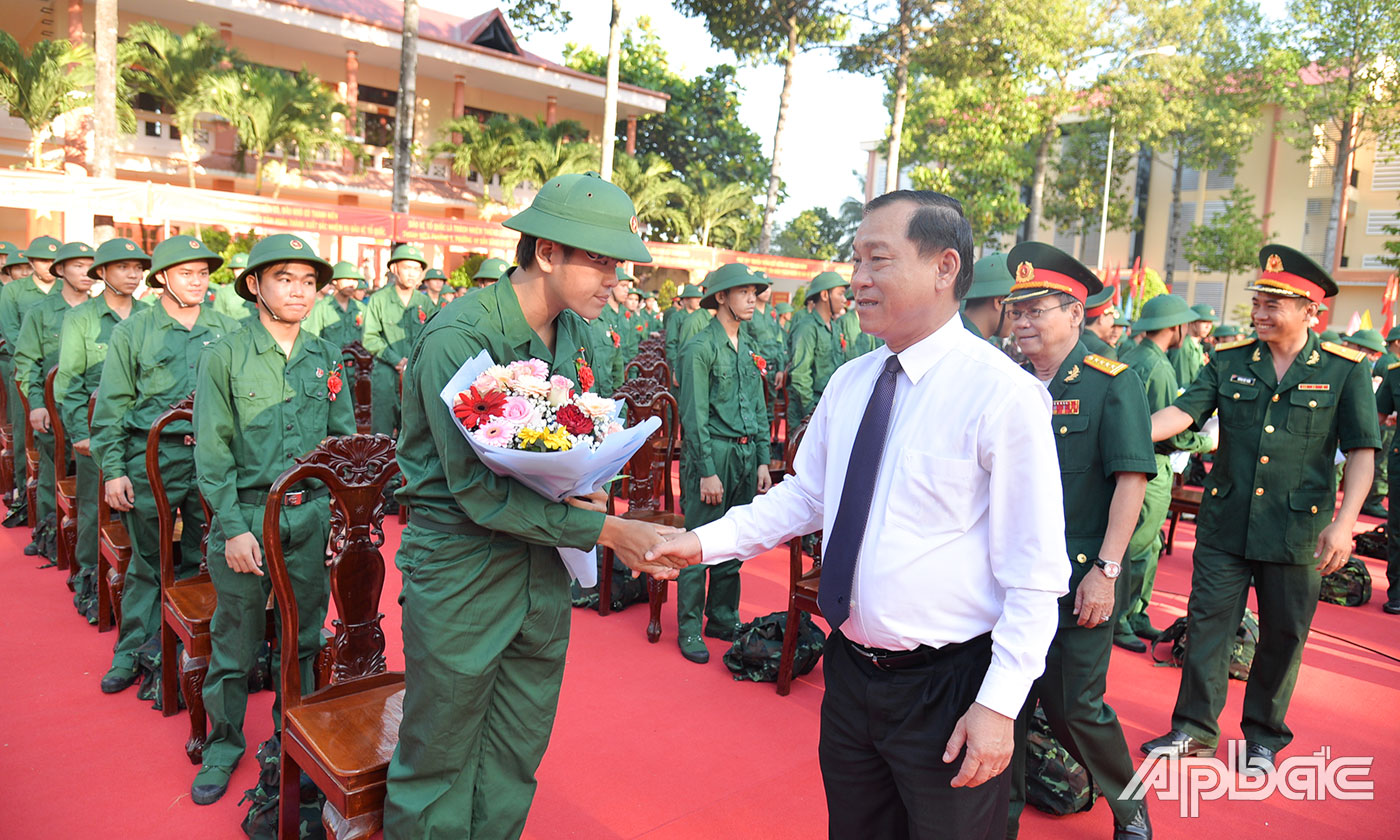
x: 882, y: 740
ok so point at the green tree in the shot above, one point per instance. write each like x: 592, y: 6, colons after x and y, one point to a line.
x: 770, y: 31
x: 559, y: 149
x: 718, y: 212
x: 1075, y: 200
x: 655, y: 191
x: 539, y: 15
x: 812, y: 235
x: 493, y: 149
x: 1230, y: 242
x: 666, y: 294
x: 178, y: 71
x: 40, y: 86
x: 272, y: 109
x: 226, y: 244
x: 1391, y: 257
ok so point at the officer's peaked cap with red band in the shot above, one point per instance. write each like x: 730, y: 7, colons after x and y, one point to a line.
x: 1042, y: 269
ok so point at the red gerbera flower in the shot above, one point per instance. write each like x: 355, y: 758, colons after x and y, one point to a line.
x: 474, y: 408
x: 333, y: 383
x: 585, y: 372
x: 616, y: 339
x: 572, y: 418
x: 761, y: 363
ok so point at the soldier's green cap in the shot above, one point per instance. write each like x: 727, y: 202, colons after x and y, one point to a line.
x: 72, y: 251
x: 1291, y: 273
x: 1044, y: 269
x: 1098, y: 304
x: 13, y: 256
x: 362, y: 286
x: 689, y: 291
x: 282, y: 247
x: 115, y: 251
x: 784, y: 308
x: 434, y: 274
x: 645, y: 294
x: 825, y: 281
x: 726, y: 277
x: 178, y: 250
x: 1369, y: 339
x: 6, y: 248
x: 238, y: 261
x: 1122, y: 320
x: 1323, y: 307
x: 1206, y: 312
x: 1225, y: 331
x: 1164, y: 311
x: 408, y: 252
x: 584, y: 211
x: 1330, y: 335
x: 762, y: 275
x: 491, y: 268
x: 990, y: 278
x: 622, y: 275
x: 1393, y: 335
x: 42, y: 248
x: 347, y: 271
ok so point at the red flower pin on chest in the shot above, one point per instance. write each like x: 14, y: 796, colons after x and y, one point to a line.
x: 422, y: 316
x: 585, y: 372
x: 616, y: 339
x: 843, y: 342
x: 359, y: 320
x: 334, y: 383
x: 760, y: 363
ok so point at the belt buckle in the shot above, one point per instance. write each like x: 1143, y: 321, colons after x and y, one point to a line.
x: 294, y: 498
x: 868, y: 655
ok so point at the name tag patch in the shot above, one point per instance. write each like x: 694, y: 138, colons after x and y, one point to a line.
x: 1243, y: 380
x: 1066, y: 407
x: 1314, y: 386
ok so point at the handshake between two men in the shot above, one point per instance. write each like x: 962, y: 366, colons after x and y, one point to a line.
x: 658, y: 550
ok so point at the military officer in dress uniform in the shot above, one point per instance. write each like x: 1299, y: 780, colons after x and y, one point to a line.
x: 1100, y: 323
x: 818, y: 345
x: 151, y: 362
x: 120, y: 264
x: 1188, y: 359
x: 265, y: 395
x: 490, y: 270
x: 1101, y: 428
x: 1163, y: 323
x: 724, y: 462
x: 16, y: 298
x: 485, y: 596
x: 984, y: 307
x: 1287, y: 403
x: 1387, y: 403
x: 394, y: 316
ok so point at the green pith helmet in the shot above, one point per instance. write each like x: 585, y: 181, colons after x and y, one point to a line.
x: 434, y: 274
x: 1393, y: 335
x: 728, y: 277
x: 408, y: 252
x: 362, y: 286
x: 178, y: 250
x: 491, y: 268
x: 690, y: 291
x: 347, y: 271
x: 1330, y: 335
x: 6, y: 248
x: 1165, y: 311
x: 1369, y: 339
x: 584, y: 211
x: 1122, y: 320
x: 1206, y: 312
x: 71, y: 251
x: 238, y: 261
x: 115, y: 251
x: 42, y: 248
x: 784, y: 308
x: 15, y: 256
x: 1044, y: 269
x: 624, y: 276
x: 283, y: 247
x: 990, y: 278
x: 1225, y: 331
x: 823, y: 282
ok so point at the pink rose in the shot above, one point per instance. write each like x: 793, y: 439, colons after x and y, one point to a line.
x: 485, y: 383
x: 563, y: 383
x: 517, y: 411
x: 613, y: 428
x: 530, y: 367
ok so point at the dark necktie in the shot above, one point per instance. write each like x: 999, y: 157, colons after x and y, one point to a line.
x: 848, y: 531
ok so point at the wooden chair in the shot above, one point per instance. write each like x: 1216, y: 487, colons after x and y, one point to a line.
x: 650, y: 495
x: 777, y: 402
x: 343, y: 735
x: 65, y: 489
x: 7, y: 439
x: 1185, y: 499
x: 363, y: 364
x: 31, y: 465
x: 113, y: 554
x: 802, y: 582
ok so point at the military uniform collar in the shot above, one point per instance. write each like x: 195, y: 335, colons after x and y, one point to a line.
x: 263, y: 342
x: 722, y: 337
x: 516, y: 330
x: 1304, y: 364
x: 919, y: 358
x: 971, y: 327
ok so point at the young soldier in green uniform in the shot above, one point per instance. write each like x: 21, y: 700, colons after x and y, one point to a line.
x: 770, y: 343
x: 13, y: 266
x: 1392, y: 353
x: 338, y: 318
x: 490, y: 270
x: 818, y: 345
x: 16, y: 298
x: 615, y: 312
x: 119, y: 264
x: 1287, y: 403
x: 394, y: 316
x: 1100, y: 324
x: 150, y: 366
x: 984, y: 307
x: 1369, y: 341
x: 433, y: 282
x: 1188, y: 359
x: 1163, y: 322
x: 689, y: 296
x: 36, y: 351
x: 265, y: 395
x: 1101, y: 430
x: 1224, y: 333
x: 1387, y: 403
x: 784, y: 318
x: 485, y: 596
x: 608, y: 365
x: 726, y: 449
x: 634, y: 322
x: 226, y: 298
x: 692, y: 323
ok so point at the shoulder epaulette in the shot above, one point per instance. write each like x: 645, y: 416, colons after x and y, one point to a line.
x: 1107, y: 366
x: 1231, y: 345
x: 1392, y: 366
x: 1344, y: 352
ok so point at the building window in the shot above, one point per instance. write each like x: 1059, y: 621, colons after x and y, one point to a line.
x: 1315, y: 227
x: 1211, y: 293
x: 1386, y: 175
x: 1190, y: 179
x: 1183, y: 226
x: 1219, y: 179
x: 154, y: 128
x: 378, y: 129
x: 1378, y: 220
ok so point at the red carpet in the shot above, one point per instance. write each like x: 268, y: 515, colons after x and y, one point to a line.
x: 646, y: 744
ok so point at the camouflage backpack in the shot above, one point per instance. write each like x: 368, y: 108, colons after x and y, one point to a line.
x: 758, y: 648
x: 261, y: 820
x: 1372, y: 543
x: 1349, y: 586
x: 1175, y: 638
x: 625, y: 590
x: 1055, y: 782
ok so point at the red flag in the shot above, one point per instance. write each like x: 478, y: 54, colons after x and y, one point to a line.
x: 1392, y: 286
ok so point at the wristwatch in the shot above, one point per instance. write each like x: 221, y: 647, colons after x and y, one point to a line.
x: 1110, y: 569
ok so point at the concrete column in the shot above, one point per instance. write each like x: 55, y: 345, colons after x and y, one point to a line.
x: 75, y: 22
x: 352, y: 101
x: 224, y: 136
x: 551, y: 110
x: 632, y: 135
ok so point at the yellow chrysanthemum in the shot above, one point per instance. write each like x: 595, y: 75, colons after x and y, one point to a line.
x: 558, y: 440
x: 528, y: 437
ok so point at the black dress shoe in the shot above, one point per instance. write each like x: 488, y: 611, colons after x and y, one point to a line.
x: 1392, y: 607
x: 1259, y: 760
x: 119, y: 679
x: 1181, y: 745
x: 1132, y: 643
x: 1139, y: 829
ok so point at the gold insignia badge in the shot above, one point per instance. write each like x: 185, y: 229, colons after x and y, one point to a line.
x: 1025, y: 272
x: 1313, y: 359
x: 1274, y: 264
x: 1074, y: 371
x: 1255, y: 357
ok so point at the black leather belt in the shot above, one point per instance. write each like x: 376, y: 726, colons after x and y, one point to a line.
x: 292, y: 499
x: 898, y: 660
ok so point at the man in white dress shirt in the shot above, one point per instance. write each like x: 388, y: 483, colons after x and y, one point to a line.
x: 930, y: 465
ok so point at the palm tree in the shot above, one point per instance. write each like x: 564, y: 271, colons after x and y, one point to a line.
x: 50, y: 81
x: 271, y: 108
x: 177, y: 70
x: 655, y: 191
x: 492, y: 149
x: 711, y: 207
x: 559, y: 149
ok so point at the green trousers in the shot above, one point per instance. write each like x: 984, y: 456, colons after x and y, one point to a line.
x: 1287, y: 596
x: 1380, y: 483
x: 239, y: 625
x: 1071, y: 692
x: 485, y: 630
x: 735, y: 465
x: 47, y: 504
x: 18, y: 423
x: 141, y: 597
x: 1144, y: 549
x: 85, y: 552
x: 384, y: 398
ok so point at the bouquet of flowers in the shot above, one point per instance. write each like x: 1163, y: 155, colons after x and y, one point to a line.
x: 543, y: 431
